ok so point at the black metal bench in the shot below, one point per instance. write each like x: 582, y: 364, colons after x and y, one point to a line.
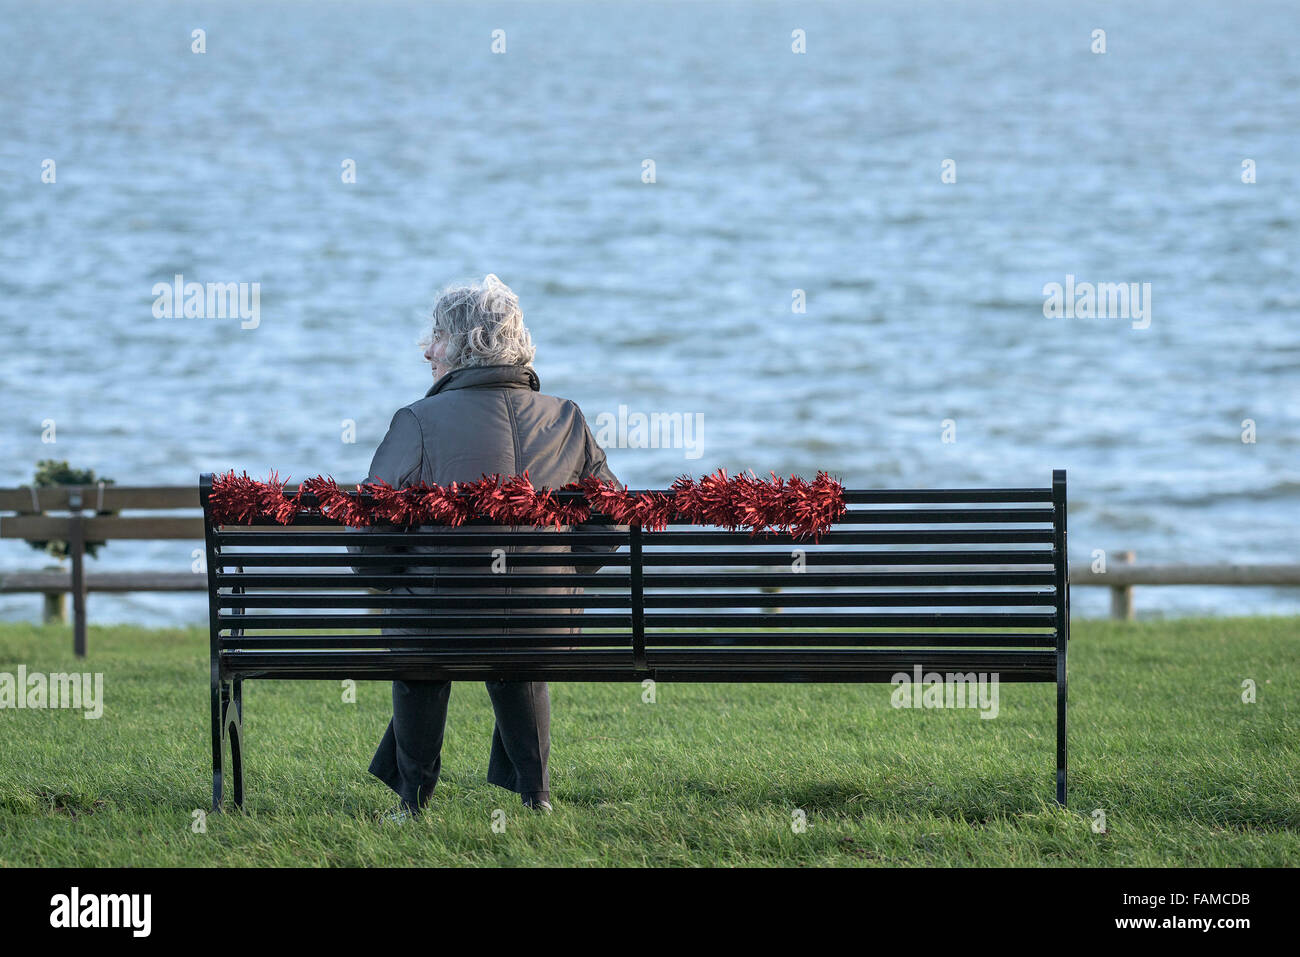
x: 951, y: 580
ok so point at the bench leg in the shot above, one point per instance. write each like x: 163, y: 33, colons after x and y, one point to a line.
x: 235, y: 735
x: 217, y: 711
x: 228, y: 738
x: 1060, y: 742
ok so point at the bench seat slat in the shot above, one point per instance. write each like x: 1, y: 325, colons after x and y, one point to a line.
x: 846, y: 579
x: 450, y: 620
x: 706, y: 579
x: 757, y: 558
x: 338, y: 538
x: 926, y: 495
x: 341, y: 559
x: 353, y: 580
x: 778, y: 559
x: 334, y: 536
x: 851, y: 619
x: 674, y: 664
x: 918, y: 536
x: 774, y: 639
x: 281, y: 642
x: 606, y: 620
x: 971, y: 659
x: 932, y: 516
x: 442, y: 600
x: 791, y: 599
x: 897, y: 639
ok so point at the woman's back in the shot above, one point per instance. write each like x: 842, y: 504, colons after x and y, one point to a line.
x: 486, y: 420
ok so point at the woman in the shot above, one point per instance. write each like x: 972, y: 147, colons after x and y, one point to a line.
x: 483, y: 416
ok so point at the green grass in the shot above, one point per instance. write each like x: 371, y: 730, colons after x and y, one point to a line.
x: 1186, y: 773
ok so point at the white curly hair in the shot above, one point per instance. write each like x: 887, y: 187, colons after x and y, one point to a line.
x: 481, y: 324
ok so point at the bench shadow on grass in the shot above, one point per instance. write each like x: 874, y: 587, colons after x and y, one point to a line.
x: 982, y: 801
x: 979, y: 802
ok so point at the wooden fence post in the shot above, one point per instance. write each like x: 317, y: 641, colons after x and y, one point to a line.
x: 77, y: 551
x: 1121, y: 596
x: 54, y: 604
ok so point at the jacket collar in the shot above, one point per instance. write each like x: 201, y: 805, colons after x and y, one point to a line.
x: 491, y: 377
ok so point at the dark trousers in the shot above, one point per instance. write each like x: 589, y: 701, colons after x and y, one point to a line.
x: 409, y: 757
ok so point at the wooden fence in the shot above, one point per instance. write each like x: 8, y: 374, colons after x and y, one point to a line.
x: 31, y: 521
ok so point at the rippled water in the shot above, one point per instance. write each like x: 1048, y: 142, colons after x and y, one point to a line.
x: 775, y: 172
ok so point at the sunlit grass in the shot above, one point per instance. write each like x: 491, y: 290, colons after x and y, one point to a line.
x: 1161, y: 742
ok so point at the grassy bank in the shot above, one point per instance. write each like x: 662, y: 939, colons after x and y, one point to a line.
x: 1185, y: 772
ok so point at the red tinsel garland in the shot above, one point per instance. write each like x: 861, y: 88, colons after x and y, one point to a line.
x: 795, y: 505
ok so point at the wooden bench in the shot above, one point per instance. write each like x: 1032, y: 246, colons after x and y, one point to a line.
x: 951, y: 581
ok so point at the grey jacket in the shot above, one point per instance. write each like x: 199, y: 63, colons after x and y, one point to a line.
x: 478, y: 421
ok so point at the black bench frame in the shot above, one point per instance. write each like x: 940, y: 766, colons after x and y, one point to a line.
x: 1029, y: 647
